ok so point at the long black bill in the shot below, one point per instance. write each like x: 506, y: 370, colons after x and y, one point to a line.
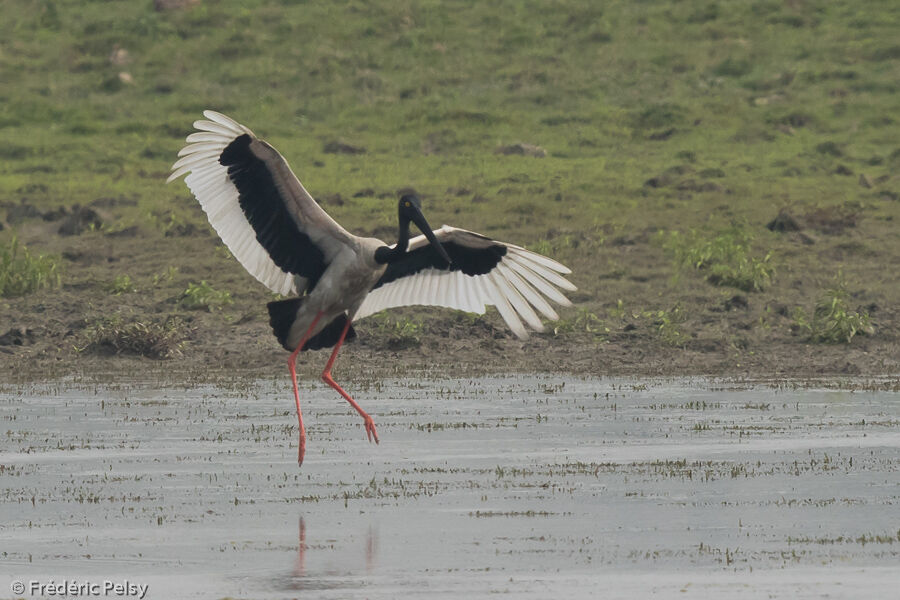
x: 422, y: 224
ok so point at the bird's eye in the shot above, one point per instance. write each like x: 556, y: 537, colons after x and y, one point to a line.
x: 406, y: 204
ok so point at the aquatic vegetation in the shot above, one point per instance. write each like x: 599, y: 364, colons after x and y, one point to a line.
x: 22, y: 272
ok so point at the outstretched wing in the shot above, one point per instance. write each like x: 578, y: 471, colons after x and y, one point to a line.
x: 484, y: 272
x: 257, y: 205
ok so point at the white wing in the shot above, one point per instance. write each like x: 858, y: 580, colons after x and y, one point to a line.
x: 281, y: 236
x: 519, y: 284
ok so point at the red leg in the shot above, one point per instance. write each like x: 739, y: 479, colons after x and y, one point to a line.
x: 292, y: 367
x: 326, y: 377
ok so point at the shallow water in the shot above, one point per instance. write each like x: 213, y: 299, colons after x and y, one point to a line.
x: 532, y: 487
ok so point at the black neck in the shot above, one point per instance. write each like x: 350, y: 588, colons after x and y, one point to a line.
x: 385, y: 255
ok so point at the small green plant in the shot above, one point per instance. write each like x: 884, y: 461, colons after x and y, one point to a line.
x: 22, y: 273
x: 725, y: 258
x: 583, y: 321
x: 166, y: 276
x: 121, y: 285
x: 222, y: 251
x: 400, y: 332
x: 619, y: 311
x: 202, y: 296
x: 666, y: 323
x: 150, y: 339
x: 832, y: 321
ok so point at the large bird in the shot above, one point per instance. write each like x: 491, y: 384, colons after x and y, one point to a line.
x: 287, y: 241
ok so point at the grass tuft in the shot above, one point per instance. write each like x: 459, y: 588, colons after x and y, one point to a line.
x: 666, y: 324
x: 583, y: 321
x: 399, y: 333
x: 150, y: 339
x: 22, y: 273
x: 202, y: 296
x: 725, y: 258
x: 122, y: 284
x: 832, y: 321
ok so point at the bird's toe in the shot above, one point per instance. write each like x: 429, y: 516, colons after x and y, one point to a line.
x: 371, y: 433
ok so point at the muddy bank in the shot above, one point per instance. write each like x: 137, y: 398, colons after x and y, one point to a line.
x: 123, y: 307
x: 446, y: 349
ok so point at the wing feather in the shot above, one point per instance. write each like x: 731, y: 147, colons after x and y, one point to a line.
x: 547, y: 274
x: 541, y: 259
x: 226, y: 121
x: 485, y: 272
x: 515, y: 304
x: 203, y: 136
x: 544, y: 286
x: 201, y: 147
x: 212, y: 127
x: 528, y: 292
x: 193, y: 160
x: 257, y: 205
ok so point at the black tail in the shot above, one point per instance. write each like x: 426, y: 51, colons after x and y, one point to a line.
x: 329, y: 336
x: 283, y: 313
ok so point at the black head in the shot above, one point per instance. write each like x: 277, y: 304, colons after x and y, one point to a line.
x: 410, y: 207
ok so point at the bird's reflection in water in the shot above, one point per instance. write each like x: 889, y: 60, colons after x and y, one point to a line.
x: 300, y: 568
x: 333, y: 576
x: 371, y: 549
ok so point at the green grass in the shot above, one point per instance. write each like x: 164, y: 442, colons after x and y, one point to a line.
x: 583, y: 81
x: 202, y: 296
x: 724, y: 258
x: 582, y: 321
x: 164, y: 277
x: 655, y: 116
x: 666, y: 324
x: 122, y: 284
x: 396, y: 331
x: 832, y: 321
x: 22, y: 272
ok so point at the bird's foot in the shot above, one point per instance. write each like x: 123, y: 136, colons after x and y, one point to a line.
x: 370, y: 428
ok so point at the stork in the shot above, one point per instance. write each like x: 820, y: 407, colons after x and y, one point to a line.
x: 281, y: 236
